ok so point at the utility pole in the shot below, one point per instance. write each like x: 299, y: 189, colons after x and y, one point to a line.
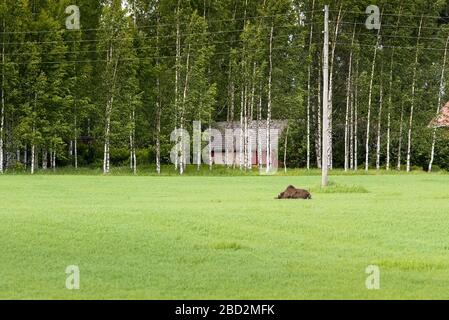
x: 326, y: 115
x: 2, y: 112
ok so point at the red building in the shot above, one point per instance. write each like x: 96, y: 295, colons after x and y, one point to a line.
x: 231, y: 149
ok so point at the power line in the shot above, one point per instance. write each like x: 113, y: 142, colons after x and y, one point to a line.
x: 394, y: 26
x: 393, y: 47
x: 394, y: 14
x: 134, y: 38
x: 194, y: 46
x: 156, y: 25
x: 132, y: 59
x: 400, y: 36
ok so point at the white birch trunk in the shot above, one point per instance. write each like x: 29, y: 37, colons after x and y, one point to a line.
x: 245, y: 132
x: 348, y: 104
x: 158, y: 138
x: 370, y: 97
x: 285, y: 149
x: 133, y: 135
x: 259, y: 140
x: 134, y: 155
x: 401, y: 131
x: 32, y: 158
x: 325, y: 159
x: 75, y: 144
x: 51, y: 156
x: 109, y: 107
x: 379, y: 126
x: 158, y: 105
x: 75, y: 129
x: 198, y: 151
x: 351, y: 131
x: 412, y: 106
x: 228, y: 116
x: 440, y: 98
x: 251, y: 117
x: 331, y: 87
x: 241, y: 133
x: 232, y: 115
x: 106, y: 141
x: 131, y: 164
x: 356, y: 120
x: 390, y: 104
x: 245, y: 129
x: 390, y: 99
x: 243, y: 111
x: 308, y: 116
x: 33, y: 147
x: 210, y: 147
x: 318, y: 116
x: 53, y: 159
x: 131, y: 143
x: 177, y: 67
x: 270, y: 80
x: 182, y: 155
x: 309, y: 86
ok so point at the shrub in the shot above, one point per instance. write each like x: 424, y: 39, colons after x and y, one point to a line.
x: 339, y: 188
x: 18, y: 166
x: 417, y: 168
x: 436, y: 168
x: 119, y: 156
x: 143, y: 157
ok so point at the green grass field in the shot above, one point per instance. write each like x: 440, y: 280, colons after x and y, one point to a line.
x: 223, y: 237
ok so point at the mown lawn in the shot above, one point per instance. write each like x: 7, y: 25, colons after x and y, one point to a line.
x: 223, y: 237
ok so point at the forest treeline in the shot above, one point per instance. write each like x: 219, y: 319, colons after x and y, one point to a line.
x: 112, y: 92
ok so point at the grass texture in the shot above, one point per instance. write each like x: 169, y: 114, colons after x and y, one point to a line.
x: 223, y: 237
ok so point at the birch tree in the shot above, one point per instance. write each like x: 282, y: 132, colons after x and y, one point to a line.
x: 270, y: 81
x: 115, y: 42
x: 309, y: 85
x: 379, y: 123
x: 390, y: 96
x: 370, y: 97
x: 401, y: 133
x: 318, y: 112
x: 177, y: 73
x: 356, y: 120
x: 348, y: 103
x: 158, y: 98
x: 412, y: 106
x: 440, y: 98
x: 331, y: 86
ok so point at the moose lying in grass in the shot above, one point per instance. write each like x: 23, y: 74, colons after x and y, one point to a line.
x: 292, y: 193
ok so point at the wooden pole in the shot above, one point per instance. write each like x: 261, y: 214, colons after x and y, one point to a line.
x: 325, y: 159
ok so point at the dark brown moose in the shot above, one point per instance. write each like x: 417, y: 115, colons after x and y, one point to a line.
x: 292, y: 193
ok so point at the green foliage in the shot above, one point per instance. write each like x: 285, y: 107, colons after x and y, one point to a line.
x: 339, y: 188
x: 436, y: 168
x: 58, y: 83
x: 133, y: 239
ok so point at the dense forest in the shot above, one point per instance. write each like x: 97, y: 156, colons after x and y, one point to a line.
x: 111, y: 92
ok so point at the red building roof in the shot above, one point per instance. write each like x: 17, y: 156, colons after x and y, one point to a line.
x: 442, y: 120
